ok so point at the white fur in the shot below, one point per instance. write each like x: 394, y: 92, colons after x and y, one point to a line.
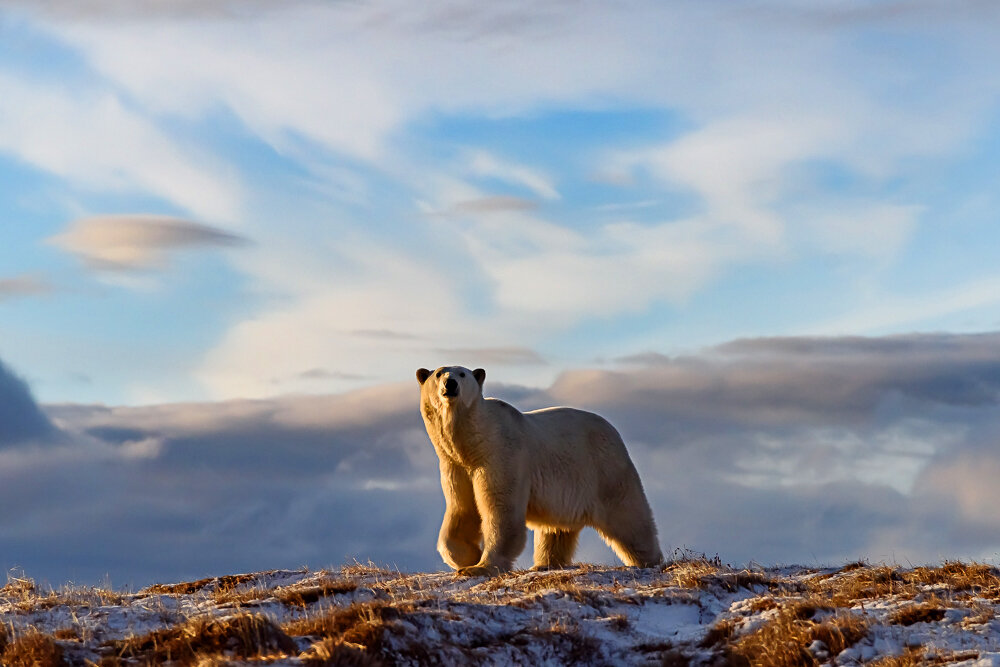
x: 554, y: 470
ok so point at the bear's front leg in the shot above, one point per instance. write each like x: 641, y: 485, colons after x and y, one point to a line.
x: 503, y: 507
x: 460, y: 539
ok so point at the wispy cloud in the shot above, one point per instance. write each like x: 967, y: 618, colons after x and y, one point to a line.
x: 486, y: 164
x: 137, y: 242
x: 485, y: 205
x: 501, y: 356
x: 23, y: 285
x: 95, y: 141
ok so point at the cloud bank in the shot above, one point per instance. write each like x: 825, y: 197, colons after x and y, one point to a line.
x: 808, y: 450
x: 21, y: 419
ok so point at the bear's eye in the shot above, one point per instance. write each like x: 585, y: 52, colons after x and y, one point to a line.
x: 461, y: 375
x: 438, y: 374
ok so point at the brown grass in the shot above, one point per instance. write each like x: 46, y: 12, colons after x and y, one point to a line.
x: 619, y: 622
x: 762, y: 603
x: 912, y: 657
x: 959, y: 576
x: 541, y: 582
x: 216, y: 584
x: 691, y: 573
x: 720, y: 633
x: 567, y: 641
x: 331, y: 651
x: 361, y: 623
x: 306, y: 595
x: 862, y: 583
x: 981, y: 613
x: 32, y: 649
x: 782, y: 640
x: 67, y: 634
x: 359, y: 569
x: 918, y: 657
x: 931, y: 610
x: 704, y: 574
x: 856, y: 565
x: 245, y: 635
x: 18, y: 589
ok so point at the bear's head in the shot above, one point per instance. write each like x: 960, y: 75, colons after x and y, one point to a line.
x: 450, y: 386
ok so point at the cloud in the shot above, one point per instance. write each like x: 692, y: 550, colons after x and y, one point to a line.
x: 793, y: 92
x: 500, y: 356
x: 187, y: 490
x: 117, y: 9
x: 485, y: 164
x: 489, y: 204
x: 558, y: 274
x: 813, y: 450
x: 884, y: 311
x: 23, y: 285
x: 20, y: 418
x: 97, y: 142
x: 137, y: 242
x: 323, y: 374
x: 775, y: 450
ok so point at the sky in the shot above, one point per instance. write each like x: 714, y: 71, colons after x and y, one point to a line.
x: 759, y: 236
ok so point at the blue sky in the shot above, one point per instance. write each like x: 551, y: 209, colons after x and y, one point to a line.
x: 560, y: 186
x: 760, y: 236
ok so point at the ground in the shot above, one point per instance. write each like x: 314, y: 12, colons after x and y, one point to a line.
x: 692, y: 611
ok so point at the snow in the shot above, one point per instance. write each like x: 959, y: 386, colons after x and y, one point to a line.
x: 590, y: 615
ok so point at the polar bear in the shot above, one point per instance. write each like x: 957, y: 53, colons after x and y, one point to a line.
x: 554, y: 470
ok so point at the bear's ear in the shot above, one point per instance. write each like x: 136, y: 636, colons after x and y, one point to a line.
x: 422, y: 375
x: 480, y: 376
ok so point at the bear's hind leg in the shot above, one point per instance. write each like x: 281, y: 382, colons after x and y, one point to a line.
x: 630, y: 531
x: 554, y: 548
x: 634, y: 551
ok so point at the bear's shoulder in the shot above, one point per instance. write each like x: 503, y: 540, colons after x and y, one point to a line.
x: 499, y: 407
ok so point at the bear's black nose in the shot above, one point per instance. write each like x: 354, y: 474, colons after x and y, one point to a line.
x: 450, y: 387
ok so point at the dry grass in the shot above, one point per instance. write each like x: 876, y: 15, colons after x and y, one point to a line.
x: 331, y: 651
x: 619, y: 622
x: 762, y: 603
x: 368, y: 569
x: 977, y: 578
x: 981, y: 614
x: 32, y: 649
x: 920, y: 657
x: 559, y: 580
x: 565, y: 639
x: 703, y: 574
x: 18, y: 589
x: 912, y: 657
x: 293, y: 596
x: 24, y: 595
x: 931, y: 610
x: 782, y: 641
x: 720, y: 633
x: 691, y: 573
x: 215, y: 584
x: 306, y: 595
x: 361, y: 623
x: 858, y: 584
x: 242, y: 635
